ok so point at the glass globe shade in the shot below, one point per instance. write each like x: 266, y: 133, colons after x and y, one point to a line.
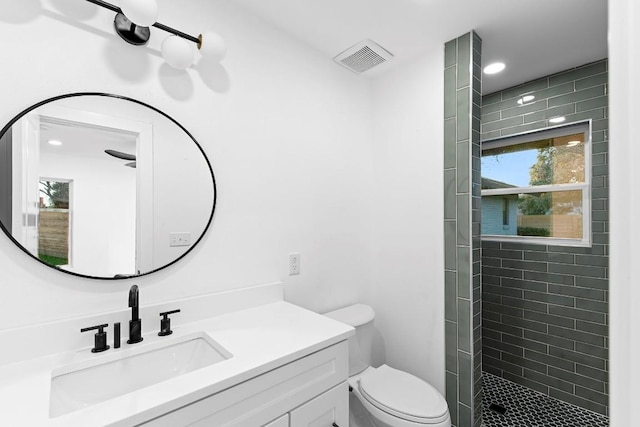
x: 141, y: 12
x: 177, y: 52
x: 213, y: 46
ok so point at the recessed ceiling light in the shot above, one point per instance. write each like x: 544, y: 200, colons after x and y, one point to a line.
x: 574, y: 143
x: 557, y: 119
x: 54, y: 142
x: 525, y: 99
x: 494, y: 68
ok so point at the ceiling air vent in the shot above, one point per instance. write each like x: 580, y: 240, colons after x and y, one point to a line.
x: 363, y: 56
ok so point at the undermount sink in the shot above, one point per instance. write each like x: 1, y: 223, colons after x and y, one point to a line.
x: 77, y: 386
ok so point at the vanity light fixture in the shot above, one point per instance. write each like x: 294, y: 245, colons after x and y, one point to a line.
x: 134, y: 19
x: 54, y: 142
x: 557, y: 119
x: 494, y: 68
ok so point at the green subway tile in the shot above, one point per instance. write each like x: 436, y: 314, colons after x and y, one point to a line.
x: 578, y: 73
x: 491, y: 117
x: 491, y: 98
x: 450, y: 194
x: 597, y: 374
x: 550, y: 381
x: 592, y: 104
x: 502, y: 124
x: 524, y: 109
x: 576, y: 314
x: 550, y: 319
x: 465, y: 415
x: 550, y: 298
x: 586, y: 115
x: 599, y: 261
x: 490, y: 135
x: 463, y: 168
x: 524, y: 128
x: 593, y: 328
x: 464, y: 326
x: 527, y: 88
x: 577, y: 336
x: 450, y: 53
x: 464, y: 272
x: 463, y: 213
x: 554, y: 91
x: 450, y: 245
x: 593, y: 350
x: 576, y: 379
x: 451, y: 393
x: 477, y: 78
x: 591, y: 305
x: 598, y: 79
x: 499, y: 106
x: 450, y: 92
x: 464, y: 61
x: 535, y: 117
x: 477, y: 100
x: 577, y: 96
x: 575, y: 291
x: 572, y: 356
x: 600, y: 125
x: 558, y: 362
x: 560, y: 110
x: 591, y: 395
x: 463, y: 114
x: 451, y: 295
x: 465, y: 377
x: 451, y: 346
x: 577, y: 401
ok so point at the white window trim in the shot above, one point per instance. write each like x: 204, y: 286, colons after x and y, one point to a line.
x: 585, y: 187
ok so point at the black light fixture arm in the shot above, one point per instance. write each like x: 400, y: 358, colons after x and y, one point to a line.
x: 158, y: 25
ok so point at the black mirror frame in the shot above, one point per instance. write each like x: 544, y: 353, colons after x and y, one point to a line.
x: 125, y: 98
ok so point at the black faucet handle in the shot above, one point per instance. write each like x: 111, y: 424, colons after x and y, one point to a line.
x: 100, y: 338
x: 165, y: 323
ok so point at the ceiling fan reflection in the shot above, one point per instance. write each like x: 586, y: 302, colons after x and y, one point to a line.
x: 123, y: 156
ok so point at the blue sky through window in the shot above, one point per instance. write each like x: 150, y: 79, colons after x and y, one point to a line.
x: 510, y: 168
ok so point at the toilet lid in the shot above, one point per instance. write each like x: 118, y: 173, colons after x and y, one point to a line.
x: 403, y: 395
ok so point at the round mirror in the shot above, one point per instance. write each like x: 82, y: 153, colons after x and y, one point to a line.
x: 103, y: 186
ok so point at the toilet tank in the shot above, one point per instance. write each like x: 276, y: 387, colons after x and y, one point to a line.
x: 361, y: 317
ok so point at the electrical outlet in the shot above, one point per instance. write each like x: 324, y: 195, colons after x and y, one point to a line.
x: 180, y: 239
x: 294, y: 264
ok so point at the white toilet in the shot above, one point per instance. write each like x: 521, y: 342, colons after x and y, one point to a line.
x: 390, y: 397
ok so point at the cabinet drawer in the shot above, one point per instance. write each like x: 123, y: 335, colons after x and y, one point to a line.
x: 331, y: 408
x: 264, y: 398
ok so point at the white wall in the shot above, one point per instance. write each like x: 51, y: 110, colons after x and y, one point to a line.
x: 407, y: 289
x: 282, y: 125
x: 103, y: 212
x: 308, y: 158
x: 624, y: 155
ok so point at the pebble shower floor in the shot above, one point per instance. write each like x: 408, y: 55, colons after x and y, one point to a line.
x: 529, y: 408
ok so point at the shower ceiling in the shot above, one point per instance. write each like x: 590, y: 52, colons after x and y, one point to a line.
x: 533, y: 37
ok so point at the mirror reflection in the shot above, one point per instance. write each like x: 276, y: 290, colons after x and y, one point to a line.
x: 103, y: 186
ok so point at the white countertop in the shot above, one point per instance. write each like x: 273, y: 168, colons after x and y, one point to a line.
x: 260, y: 339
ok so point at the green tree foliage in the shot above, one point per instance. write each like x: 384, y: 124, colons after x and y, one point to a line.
x: 57, y: 192
x: 560, y: 164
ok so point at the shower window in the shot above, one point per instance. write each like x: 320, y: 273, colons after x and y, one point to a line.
x: 536, y: 187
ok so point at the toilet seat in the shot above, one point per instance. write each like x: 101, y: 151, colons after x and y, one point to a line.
x: 403, y: 395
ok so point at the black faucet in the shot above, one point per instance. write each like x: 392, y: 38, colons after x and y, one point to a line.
x: 135, y: 324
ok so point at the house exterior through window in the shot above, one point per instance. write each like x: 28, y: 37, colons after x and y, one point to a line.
x: 536, y: 186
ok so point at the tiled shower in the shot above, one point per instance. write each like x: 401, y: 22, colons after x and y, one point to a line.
x: 544, y: 316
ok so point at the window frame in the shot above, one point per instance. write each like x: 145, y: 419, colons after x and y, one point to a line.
x: 585, y: 127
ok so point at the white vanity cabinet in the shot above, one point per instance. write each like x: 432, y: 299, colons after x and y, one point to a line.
x: 310, y: 391
x: 329, y: 409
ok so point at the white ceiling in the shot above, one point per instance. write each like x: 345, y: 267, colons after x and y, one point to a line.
x: 84, y: 141
x: 533, y: 37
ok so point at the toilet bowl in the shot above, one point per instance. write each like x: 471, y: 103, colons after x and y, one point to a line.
x: 388, y: 397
